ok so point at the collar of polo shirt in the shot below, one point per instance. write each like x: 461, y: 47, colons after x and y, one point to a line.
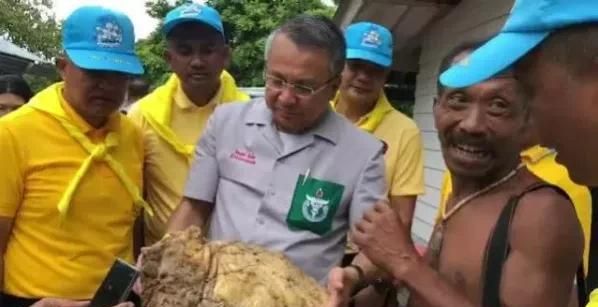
x: 328, y: 129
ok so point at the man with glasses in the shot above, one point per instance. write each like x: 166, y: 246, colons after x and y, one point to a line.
x: 286, y: 172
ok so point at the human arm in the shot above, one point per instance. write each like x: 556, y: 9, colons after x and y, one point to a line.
x: 138, y: 235
x: 404, y: 206
x: 370, y: 189
x: 5, y: 229
x: 202, y: 183
x: 134, y: 114
x: 546, y: 247
x: 190, y: 212
x: 57, y: 302
x: 407, y: 179
x: 345, y: 282
x: 11, y: 190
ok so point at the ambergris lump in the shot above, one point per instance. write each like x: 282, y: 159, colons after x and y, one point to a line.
x: 183, y: 270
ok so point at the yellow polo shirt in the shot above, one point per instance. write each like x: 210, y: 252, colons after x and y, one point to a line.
x: 404, y: 151
x: 165, y: 168
x: 50, y: 256
x: 541, y: 162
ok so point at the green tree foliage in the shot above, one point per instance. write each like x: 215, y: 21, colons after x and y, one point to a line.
x: 31, y: 25
x: 247, y: 24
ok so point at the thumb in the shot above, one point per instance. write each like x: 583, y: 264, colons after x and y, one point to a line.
x: 138, y: 287
x: 336, y: 286
x: 336, y: 279
x: 66, y: 303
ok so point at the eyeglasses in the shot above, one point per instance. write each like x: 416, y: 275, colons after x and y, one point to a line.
x: 303, y: 91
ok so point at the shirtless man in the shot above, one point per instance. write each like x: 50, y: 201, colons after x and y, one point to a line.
x: 553, y: 45
x: 480, y: 129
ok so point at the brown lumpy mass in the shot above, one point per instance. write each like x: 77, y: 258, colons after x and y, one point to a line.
x: 183, y: 270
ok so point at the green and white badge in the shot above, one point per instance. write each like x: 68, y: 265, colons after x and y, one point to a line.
x: 314, y: 204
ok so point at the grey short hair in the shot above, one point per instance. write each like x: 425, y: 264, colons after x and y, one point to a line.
x: 314, y: 32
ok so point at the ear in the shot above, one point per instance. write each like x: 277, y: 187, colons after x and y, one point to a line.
x: 435, y: 104
x: 167, y: 56
x: 335, y: 84
x: 61, y: 65
x: 227, y: 55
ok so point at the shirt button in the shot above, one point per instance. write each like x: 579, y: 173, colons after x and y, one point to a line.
x: 260, y: 221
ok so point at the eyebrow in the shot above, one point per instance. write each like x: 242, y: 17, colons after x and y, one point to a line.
x: 302, y: 82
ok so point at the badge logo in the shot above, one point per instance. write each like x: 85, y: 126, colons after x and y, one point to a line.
x: 315, y: 208
x: 191, y: 11
x: 109, y: 35
x: 371, y: 39
x: 464, y: 61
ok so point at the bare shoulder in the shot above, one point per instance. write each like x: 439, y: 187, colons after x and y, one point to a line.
x: 546, y: 225
x: 546, y: 250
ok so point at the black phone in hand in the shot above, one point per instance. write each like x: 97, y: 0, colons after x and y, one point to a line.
x: 117, y: 285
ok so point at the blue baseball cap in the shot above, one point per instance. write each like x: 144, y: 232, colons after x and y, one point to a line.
x: 530, y: 22
x: 192, y: 12
x: 98, y: 38
x: 370, y: 42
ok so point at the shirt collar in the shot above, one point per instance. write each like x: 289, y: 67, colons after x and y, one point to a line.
x: 328, y: 128
x: 381, y: 108
x: 535, y: 154
x: 184, y: 103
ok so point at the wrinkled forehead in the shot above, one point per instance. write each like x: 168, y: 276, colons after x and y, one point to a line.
x: 297, y: 63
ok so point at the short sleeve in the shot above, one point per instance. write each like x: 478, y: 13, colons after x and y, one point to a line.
x: 370, y: 188
x: 12, y: 174
x: 445, y: 193
x: 408, y: 176
x: 202, y: 182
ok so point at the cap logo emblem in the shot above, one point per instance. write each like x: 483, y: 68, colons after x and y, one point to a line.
x: 109, y: 35
x: 191, y: 11
x: 464, y: 61
x: 371, y: 39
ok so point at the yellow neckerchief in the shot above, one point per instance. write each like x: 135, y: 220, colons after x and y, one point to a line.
x: 49, y: 102
x: 372, y: 120
x: 156, y: 108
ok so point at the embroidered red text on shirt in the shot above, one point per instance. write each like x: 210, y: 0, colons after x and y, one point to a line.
x: 243, y: 156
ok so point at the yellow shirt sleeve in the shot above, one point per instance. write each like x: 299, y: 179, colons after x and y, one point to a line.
x: 12, y: 174
x: 408, y: 178
x: 445, y: 191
